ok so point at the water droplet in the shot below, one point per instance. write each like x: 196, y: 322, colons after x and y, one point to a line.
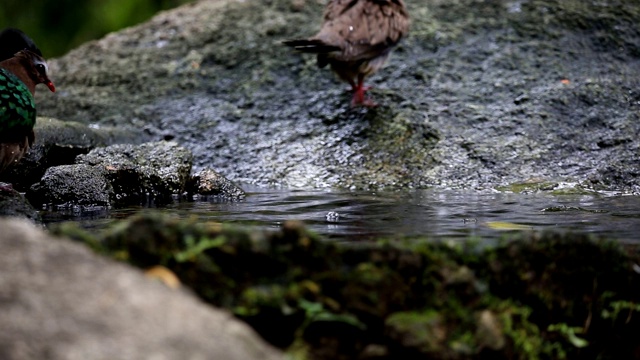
x: 332, y: 217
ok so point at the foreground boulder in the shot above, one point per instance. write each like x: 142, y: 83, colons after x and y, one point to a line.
x: 13, y: 204
x: 61, y: 302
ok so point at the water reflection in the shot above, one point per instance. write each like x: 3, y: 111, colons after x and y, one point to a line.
x: 436, y: 213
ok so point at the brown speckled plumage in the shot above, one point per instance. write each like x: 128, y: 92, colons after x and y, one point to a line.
x: 356, y: 39
x: 11, y: 152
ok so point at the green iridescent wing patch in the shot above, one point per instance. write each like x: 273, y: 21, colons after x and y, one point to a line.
x: 17, y: 108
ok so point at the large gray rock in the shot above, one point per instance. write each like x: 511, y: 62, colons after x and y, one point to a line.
x: 66, y: 186
x: 60, y: 301
x: 481, y: 93
x: 147, y: 172
x: 126, y: 174
x: 58, y: 143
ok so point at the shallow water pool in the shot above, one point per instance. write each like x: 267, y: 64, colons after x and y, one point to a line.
x: 443, y: 214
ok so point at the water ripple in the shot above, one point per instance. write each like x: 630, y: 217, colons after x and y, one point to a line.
x: 356, y: 216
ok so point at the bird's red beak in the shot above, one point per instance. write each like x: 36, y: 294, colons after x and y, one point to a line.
x: 50, y: 86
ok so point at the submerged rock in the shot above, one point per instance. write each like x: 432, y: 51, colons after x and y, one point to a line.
x: 62, y: 302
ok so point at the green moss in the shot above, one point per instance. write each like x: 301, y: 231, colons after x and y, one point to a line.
x: 425, y: 330
x: 419, y: 298
x: 194, y: 248
x: 525, y: 337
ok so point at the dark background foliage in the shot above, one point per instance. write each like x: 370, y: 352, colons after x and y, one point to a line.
x: 61, y: 25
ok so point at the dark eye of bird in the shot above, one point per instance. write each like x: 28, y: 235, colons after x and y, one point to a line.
x: 41, y: 69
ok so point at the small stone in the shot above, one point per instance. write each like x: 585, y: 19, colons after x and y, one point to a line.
x: 489, y: 331
x: 210, y: 182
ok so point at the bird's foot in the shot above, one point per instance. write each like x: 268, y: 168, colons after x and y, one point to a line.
x: 355, y: 88
x: 365, y: 102
x: 359, y: 98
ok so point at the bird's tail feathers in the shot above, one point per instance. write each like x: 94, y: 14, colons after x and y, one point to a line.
x: 311, y: 46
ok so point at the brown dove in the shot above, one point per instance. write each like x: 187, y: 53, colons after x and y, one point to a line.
x: 356, y: 39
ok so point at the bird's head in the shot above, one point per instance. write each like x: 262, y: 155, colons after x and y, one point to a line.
x: 36, y: 67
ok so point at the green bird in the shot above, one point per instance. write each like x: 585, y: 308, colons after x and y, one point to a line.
x: 19, y: 76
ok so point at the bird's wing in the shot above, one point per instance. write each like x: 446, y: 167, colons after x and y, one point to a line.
x: 17, y: 107
x: 364, y: 29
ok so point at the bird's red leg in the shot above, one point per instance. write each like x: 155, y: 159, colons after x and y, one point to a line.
x: 354, y: 86
x: 358, y: 93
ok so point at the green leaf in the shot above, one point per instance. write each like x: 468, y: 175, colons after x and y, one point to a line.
x: 569, y: 332
x: 577, y: 341
x: 503, y: 225
x: 196, y: 248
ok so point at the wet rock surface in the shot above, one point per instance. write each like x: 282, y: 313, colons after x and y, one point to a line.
x: 58, y: 143
x: 208, y: 183
x: 68, y: 186
x: 480, y: 94
x: 154, y: 171
x: 61, y: 301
